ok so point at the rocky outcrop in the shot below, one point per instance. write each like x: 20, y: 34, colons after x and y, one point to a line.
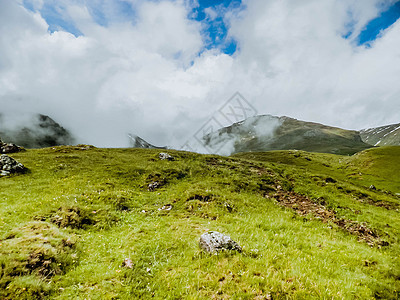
x: 214, y: 242
x: 165, y: 156
x: 9, y: 165
x: 9, y: 148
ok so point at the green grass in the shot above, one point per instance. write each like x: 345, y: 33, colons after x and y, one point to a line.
x: 85, y: 211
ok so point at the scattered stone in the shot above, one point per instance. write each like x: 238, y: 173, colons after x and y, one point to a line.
x: 9, y: 148
x: 166, y: 207
x: 228, y: 207
x: 213, y: 242
x: 4, y: 173
x: 165, y: 156
x: 127, y: 263
x: 330, y: 180
x: 153, y: 186
x: 372, y: 187
x: 9, y: 165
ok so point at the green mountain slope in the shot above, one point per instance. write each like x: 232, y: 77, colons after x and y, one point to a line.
x: 266, y: 133
x: 309, y: 225
x: 375, y: 166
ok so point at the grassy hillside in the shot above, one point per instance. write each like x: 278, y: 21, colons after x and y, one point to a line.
x: 375, y: 166
x: 309, y: 225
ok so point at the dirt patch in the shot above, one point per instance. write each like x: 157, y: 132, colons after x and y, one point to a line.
x: 157, y: 180
x: 365, y: 198
x: 384, y: 204
x: 214, y: 161
x: 303, y: 206
x: 203, y: 197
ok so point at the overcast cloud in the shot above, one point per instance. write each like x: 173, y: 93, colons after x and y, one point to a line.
x: 148, y: 73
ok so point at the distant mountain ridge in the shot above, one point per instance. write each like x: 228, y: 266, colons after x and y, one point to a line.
x: 388, y: 135
x: 266, y: 133
x: 40, y: 131
x: 138, y: 142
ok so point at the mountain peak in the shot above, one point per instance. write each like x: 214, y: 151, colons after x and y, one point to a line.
x: 267, y: 132
x: 388, y: 135
x: 137, y: 142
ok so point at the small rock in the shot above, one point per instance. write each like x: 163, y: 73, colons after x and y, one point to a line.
x: 9, y: 165
x: 213, y: 242
x: 4, y: 173
x: 228, y: 207
x: 165, y: 156
x: 372, y: 187
x: 154, y: 185
x: 127, y: 263
x: 166, y: 207
x: 330, y: 180
x: 9, y: 148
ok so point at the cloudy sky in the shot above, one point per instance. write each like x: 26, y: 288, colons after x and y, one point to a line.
x: 160, y: 69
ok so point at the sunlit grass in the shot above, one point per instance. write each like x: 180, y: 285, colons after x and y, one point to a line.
x: 113, y: 216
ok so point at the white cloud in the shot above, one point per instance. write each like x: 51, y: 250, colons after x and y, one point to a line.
x: 143, y: 75
x: 309, y: 70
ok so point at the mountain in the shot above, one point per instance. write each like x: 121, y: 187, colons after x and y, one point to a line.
x: 266, y: 132
x: 138, y: 142
x: 388, y: 135
x: 38, y: 131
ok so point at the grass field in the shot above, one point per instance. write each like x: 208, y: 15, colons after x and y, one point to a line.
x: 309, y: 224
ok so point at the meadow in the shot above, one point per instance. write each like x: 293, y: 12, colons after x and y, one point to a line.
x: 311, y: 225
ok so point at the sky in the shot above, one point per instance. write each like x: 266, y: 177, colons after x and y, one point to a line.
x: 161, y: 69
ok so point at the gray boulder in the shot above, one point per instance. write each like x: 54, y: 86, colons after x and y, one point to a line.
x: 213, y: 242
x: 9, y: 165
x: 165, y: 156
x: 153, y: 186
x: 9, y: 148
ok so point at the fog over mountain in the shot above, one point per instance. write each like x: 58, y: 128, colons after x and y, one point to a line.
x: 152, y: 68
x: 33, y: 131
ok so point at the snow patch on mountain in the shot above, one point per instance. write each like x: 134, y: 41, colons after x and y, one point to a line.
x: 382, y: 136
